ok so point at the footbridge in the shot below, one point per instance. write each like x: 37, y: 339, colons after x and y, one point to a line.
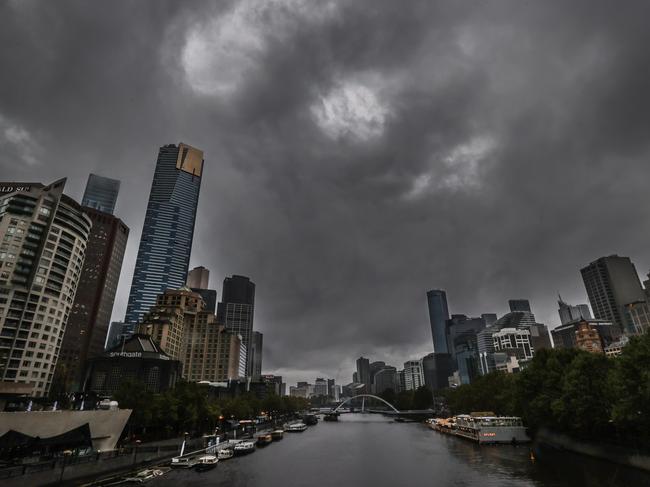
x: 392, y: 411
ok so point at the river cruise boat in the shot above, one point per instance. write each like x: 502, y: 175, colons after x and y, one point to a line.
x: 489, y: 429
x: 264, y: 439
x: 296, y: 427
x: 277, y: 434
x: 184, y: 462
x: 244, y: 447
x: 225, y: 453
x: 206, y: 462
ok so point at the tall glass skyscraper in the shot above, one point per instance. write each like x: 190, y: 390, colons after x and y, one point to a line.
x: 166, y: 242
x: 101, y: 193
x: 236, y: 311
x: 438, y: 316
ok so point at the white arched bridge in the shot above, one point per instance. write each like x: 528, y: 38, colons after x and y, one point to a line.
x: 363, y: 396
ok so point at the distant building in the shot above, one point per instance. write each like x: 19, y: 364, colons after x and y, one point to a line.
x: 516, y: 340
x: 437, y: 367
x: 588, y: 339
x: 331, y: 389
x: 320, y: 387
x: 413, y: 375
x: 639, y: 313
x: 236, y: 311
x: 101, y: 193
x: 463, y: 346
x: 139, y: 359
x: 353, y: 389
x: 199, y: 277
x: 257, y: 343
x: 302, y: 389
x: 611, y: 284
x: 44, y: 236
x: 385, y: 379
x: 489, y: 318
x: 363, y: 372
x: 275, y: 381
x: 438, y: 316
x: 564, y: 336
x: 118, y: 331
x: 519, y: 305
x: 485, y: 347
x: 614, y: 349
x: 85, y: 334
x: 168, y: 231
x: 569, y: 313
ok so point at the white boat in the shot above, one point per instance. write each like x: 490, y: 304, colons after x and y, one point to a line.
x: 225, y: 453
x: 491, y: 429
x: 296, y: 427
x: 244, y: 447
x: 144, y: 476
x: 206, y: 462
x: 184, y: 462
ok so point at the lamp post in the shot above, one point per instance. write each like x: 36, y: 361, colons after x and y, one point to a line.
x: 66, y: 454
x: 135, y: 454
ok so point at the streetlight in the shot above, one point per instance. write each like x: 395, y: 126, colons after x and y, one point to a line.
x: 135, y: 454
x: 66, y: 454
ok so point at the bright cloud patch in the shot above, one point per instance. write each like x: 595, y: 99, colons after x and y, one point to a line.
x: 17, y: 142
x: 219, y: 54
x: 351, y: 109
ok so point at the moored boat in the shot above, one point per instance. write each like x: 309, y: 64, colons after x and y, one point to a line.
x: 485, y: 428
x: 225, y: 453
x: 331, y: 417
x: 184, y: 462
x: 244, y: 447
x: 264, y: 439
x: 144, y: 476
x: 310, y: 419
x: 296, y: 427
x: 277, y: 434
x: 206, y: 462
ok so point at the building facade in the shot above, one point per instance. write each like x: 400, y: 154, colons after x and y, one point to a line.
x: 363, y: 373
x: 199, y: 278
x: 588, y: 339
x: 438, y: 316
x: 168, y: 231
x: 569, y: 313
x: 44, y: 239
x: 413, y: 375
x: 101, y: 193
x: 237, y: 309
x: 257, y: 344
x: 89, y: 320
x: 612, y: 283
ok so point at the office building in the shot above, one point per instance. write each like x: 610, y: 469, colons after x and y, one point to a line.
x: 236, y: 311
x: 519, y: 305
x: 117, y: 332
x: 331, y: 389
x: 168, y: 231
x: 413, y: 375
x: 437, y: 367
x: 275, y: 383
x: 385, y: 379
x: 257, y: 340
x: 639, y: 313
x: 569, y: 313
x: 564, y: 336
x: 101, y: 193
x: 612, y: 283
x: 139, y: 359
x: 199, y: 278
x: 516, y: 340
x: 44, y: 238
x: 87, y: 329
x: 320, y: 387
x: 485, y: 347
x: 363, y: 373
x: 438, y: 316
x: 489, y: 318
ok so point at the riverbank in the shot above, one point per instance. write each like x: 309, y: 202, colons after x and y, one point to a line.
x: 602, y: 451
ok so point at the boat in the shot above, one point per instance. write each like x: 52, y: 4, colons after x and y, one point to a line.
x: 264, y: 439
x: 331, y: 416
x: 244, y: 447
x: 485, y: 429
x: 184, y: 462
x: 310, y: 419
x: 144, y: 476
x: 206, y: 462
x: 225, y: 453
x: 277, y: 434
x: 296, y: 427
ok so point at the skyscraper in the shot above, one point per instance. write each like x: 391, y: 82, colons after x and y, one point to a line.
x: 519, y: 305
x: 166, y: 242
x: 569, y: 313
x: 612, y: 283
x: 438, y: 316
x: 363, y: 373
x: 101, y: 193
x: 256, y: 355
x: 199, y: 278
x: 236, y: 311
x: 89, y: 320
x: 413, y: 375
x: 44, y: 238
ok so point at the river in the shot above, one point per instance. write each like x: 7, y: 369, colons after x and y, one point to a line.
x: 370, y: 450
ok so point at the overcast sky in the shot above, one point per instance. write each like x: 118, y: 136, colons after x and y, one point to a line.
x: 357, y: 153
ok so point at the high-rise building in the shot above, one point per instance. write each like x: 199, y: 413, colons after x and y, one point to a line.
x: 101, y: 193
x: 489, y: 318
x: 236, y: 311
x: 569, y: 313
x: 257, y: 342
x: 199, y: 278
x: 320, y: 387
x: 331, y: 389
x: 166, y: 242
x: 413, y: 375
x: 564, y: 336
x: 385, y: 379
x: 519, y: 305
x: 44, y: 237
x: 85, y: 334
x: 438, y: 316
x: 437, y: 367
x: 612, y: 283
x: 363, y: 373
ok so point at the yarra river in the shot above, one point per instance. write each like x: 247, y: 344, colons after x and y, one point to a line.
x: 370, y: 450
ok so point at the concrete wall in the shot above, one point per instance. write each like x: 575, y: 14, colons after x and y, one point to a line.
x: 105, y: 425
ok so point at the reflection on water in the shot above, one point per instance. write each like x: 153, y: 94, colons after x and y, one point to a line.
x: 375, y: 451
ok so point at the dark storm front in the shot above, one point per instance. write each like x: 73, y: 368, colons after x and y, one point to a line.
x: 370, y: 450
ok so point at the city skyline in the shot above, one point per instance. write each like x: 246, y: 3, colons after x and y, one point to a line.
x: 331, y: 215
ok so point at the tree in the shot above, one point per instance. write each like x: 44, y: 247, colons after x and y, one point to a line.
x: 422, y: 398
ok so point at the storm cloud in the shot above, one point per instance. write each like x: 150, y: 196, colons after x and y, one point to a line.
x: 358, y: 153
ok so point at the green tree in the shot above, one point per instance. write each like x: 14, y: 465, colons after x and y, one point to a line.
x: 422, y: 398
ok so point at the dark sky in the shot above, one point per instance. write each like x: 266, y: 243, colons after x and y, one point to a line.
x: 358, y: 153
